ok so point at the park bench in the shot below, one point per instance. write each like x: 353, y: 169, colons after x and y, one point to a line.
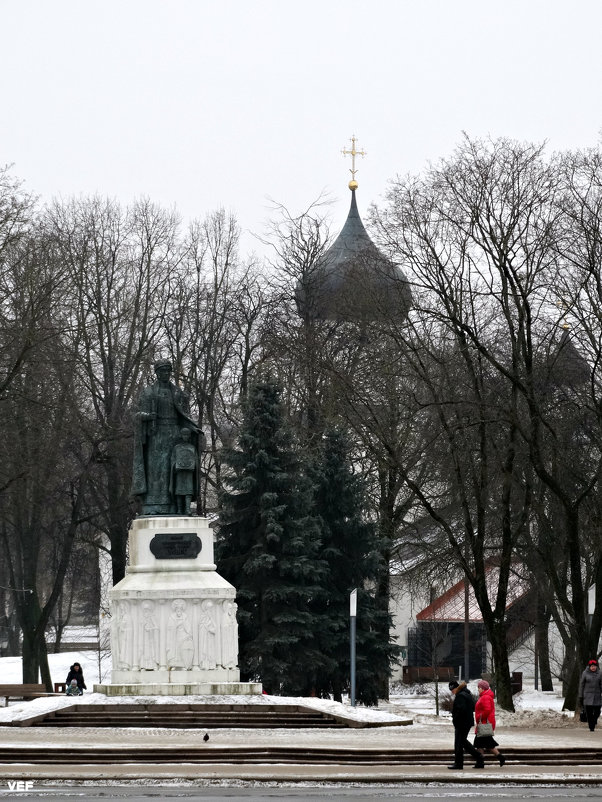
x: 27, y: 691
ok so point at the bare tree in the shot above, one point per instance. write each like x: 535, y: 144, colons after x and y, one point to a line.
x: 477, y: 235
x: 120, y: 265
x: 45, y: 469
x: 212, y: 333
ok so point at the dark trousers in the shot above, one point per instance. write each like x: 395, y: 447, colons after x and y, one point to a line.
x: 462, y: 744
x: 592, y: 712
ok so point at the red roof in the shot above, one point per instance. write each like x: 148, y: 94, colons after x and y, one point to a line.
x: 449, y: 606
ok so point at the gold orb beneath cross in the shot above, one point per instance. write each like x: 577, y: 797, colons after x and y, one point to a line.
x: 353, y: 185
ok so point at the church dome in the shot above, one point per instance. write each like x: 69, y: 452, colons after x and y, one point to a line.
x: 565, y: 366
x: 353, y: 280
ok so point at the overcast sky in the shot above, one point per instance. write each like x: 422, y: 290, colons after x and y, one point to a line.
x: 208, y: 103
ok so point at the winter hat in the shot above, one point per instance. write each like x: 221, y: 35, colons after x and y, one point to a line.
x: 453, y: 684
x: 593, y: 663
x: 483, y: 685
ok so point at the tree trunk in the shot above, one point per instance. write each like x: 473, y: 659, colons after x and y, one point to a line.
x: 10, y: 629
x: 496, y: 631
x: 45, y: 676
x: 35, y: 654
x: 568, y: 666
x: 542, y: 646
x: 13, y: 648
x: 117, y: 515
x: 28, y: 608
x: 572, y: 687
x: 58, y: 636
x: 118, y: 553
x: 31, y: 664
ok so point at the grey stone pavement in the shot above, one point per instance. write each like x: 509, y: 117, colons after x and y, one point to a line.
x: 436, y: 734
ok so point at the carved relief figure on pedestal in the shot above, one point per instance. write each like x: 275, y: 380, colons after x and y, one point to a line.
x: 124, y: 637
x: 229, y: 635
x: 180, y: 647
x: 207, y: 644
x: 149, y: 658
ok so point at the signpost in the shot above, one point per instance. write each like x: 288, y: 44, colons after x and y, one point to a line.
x: 353, y: 617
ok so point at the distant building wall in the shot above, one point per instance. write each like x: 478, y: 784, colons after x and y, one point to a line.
x: 404, y: 607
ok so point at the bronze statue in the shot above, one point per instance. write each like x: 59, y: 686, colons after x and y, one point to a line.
x: 162, y: 413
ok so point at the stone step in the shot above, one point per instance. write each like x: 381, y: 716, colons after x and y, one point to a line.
x: 176, y: 724
x: 208, y: 753
x: 191, y: 716
x: 219, y: 722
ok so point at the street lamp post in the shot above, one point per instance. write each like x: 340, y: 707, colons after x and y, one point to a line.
x: 353, y: 618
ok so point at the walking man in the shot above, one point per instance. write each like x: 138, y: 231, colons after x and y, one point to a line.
x: 463, y: 721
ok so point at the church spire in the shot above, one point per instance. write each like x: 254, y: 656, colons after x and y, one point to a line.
x: 353, y: 280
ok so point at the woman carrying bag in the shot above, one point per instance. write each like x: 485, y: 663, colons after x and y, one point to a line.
x: 590, y: 694
x: 484, y: 714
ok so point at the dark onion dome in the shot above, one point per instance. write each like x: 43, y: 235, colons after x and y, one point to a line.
x: 566, y: 367
x: 353, y: 281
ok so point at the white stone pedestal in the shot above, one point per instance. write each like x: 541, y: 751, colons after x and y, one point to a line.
x: 173, y: 617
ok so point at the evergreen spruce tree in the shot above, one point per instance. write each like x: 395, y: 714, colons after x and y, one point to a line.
x: 268, y: 547
x: 351, y: 548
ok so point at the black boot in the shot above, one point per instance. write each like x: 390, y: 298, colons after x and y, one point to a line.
x: 502, y: 759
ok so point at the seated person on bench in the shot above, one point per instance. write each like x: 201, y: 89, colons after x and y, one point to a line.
x: 76, y: 673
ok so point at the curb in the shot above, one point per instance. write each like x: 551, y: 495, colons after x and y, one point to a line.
x: 276, y: 775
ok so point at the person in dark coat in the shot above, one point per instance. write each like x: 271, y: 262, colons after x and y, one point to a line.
x: 463, y: 720
x: 76, y: 673
x: 590, y: 693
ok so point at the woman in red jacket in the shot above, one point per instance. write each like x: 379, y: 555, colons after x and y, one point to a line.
x: 484, y: 713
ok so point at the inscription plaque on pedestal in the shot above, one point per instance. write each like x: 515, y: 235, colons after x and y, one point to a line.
x: 176, y: 546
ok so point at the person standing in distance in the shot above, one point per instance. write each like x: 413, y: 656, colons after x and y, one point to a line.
x: 590, y: 693
x: 463, y: 721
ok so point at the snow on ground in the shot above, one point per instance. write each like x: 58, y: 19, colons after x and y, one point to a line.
x: 532, y: 708
x: 417, y: 702
x: 11, y: 672
x: 11, y: 669
x: 76, y: 633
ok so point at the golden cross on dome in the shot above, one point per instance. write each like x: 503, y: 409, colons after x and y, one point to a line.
x: 353, y: 153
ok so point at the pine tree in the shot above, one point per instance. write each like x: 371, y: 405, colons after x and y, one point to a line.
x: 351, y: 549
x: 268, y: 548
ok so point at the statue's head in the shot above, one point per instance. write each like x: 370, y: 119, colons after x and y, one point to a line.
x: 185, y: 434
x: 163, y: 368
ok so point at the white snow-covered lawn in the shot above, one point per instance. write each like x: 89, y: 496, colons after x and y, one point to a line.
x: 11, y: 672
x: 533, y: 708
x: 11, y: 668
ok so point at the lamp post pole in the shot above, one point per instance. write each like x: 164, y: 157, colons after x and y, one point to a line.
x: 352, y: 618
x: 466, y: 676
